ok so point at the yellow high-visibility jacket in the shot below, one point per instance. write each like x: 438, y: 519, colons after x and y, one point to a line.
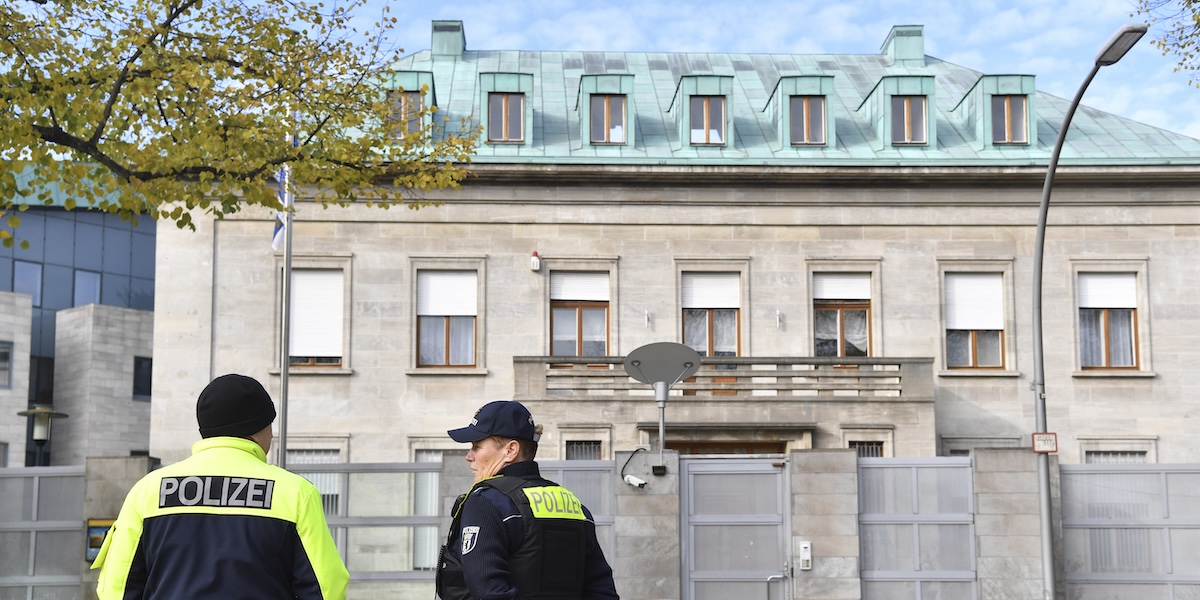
x: 221, y: 524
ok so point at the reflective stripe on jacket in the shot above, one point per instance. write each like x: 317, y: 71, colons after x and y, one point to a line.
x: 221, y: 524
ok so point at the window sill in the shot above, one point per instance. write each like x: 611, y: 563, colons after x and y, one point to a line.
x: 978, y: 373
x: 314, y: 371
x: 441, y: 371
x: 506, y: 142
x: 1114, y: 374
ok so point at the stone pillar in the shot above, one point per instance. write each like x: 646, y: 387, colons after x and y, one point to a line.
x: 107, y: 481
x: 825, y: 514
x: 1007, y: 525
x: 646, y: 561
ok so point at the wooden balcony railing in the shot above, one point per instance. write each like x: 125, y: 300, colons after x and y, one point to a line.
x: 731, y: 379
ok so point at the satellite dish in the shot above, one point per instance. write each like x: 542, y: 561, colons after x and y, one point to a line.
x: 659, y: 362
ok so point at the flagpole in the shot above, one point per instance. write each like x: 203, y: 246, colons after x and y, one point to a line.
x: 285, y: 349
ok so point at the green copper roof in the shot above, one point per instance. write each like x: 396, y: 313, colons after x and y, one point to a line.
x: 856, y: 87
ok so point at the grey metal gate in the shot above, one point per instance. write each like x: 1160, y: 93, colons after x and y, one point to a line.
x: 917, y: 528
x: 735, y: 528
x: 41, y: 533
x: 1131, y: 531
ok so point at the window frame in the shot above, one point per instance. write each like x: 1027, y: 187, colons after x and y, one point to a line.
x: 608, y: 114
x: 806, y: 119
x: 585, y: 432
x: 138, y: 394
x: 871, y: 434
x: 1009, y: 125
x: 1003, y: 267
x: 464, y: 263
x: 6, y: 368
x: 1143, y: 359
x: 579, y: 306
x: 973, y: 334
x: 505, y: 113
x: 737, y: 267
x: 706, y: 118
x: 906, y: 116
x: 871, y: 266
x: 338, y: 261
x: 406, y: 120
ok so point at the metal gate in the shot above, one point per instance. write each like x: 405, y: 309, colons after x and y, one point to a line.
x: 735, y: 528
x: 41, y: 532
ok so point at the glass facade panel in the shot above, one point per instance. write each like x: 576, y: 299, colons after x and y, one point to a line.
x: 27, y: 279
x: 87, y: 288
x: 117, y: 244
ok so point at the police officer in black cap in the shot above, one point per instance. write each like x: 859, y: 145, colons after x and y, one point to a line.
x: 515, y: 535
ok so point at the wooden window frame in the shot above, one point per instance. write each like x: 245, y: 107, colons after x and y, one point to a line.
x: 805, y: 114
x: 737, y: 328
x: 608, y: 115
x: 506, y: 127
x: 406, y: 119
x: 974, y: 364
x: 446, y: 364
x: 578, y: 306
x: 706, y: 101
x: 841, y: 306
x: 1009, y: 125
x: 907, y: 114
x: 1104, y: 336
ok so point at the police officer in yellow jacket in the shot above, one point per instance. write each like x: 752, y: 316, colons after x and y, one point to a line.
x: 223, y: 524
x: 516, y: 535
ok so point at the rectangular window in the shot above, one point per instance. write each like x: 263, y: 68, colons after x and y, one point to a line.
x: 1107, y: 323
x: 1114, y: 457
x: 318, y: 309
x: 6, y: 364
x: 328, y: 484
x: 842, y: 314
x: 707, y: 119
x: 908, y: 120
x: 710, y: 312
x: 143, y: 367
x: 867, y: 449
x: 974, y: 312
x: 406, y: 112
x: 583, y: 450
x: 808, y: 120
x: 506, y: 117
x: 579, y: 313
x: 608, y: 119
x: 1008, y: 120
x: 87, y: 288
x: 446, y: 311
x: 27, y: 279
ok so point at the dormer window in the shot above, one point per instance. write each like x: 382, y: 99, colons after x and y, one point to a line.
x: 707, y: 123
x: 506, y: 117
x: 406, y: 112
x: 807, y: 119
x: 608, y: 119
x: 908, y: 120
x: 1009, y: 122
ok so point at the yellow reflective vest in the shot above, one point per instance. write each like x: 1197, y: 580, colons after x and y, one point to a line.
x: 221, y: 524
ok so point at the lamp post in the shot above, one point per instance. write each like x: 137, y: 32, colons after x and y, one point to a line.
x: 43, y: 416
x: 1110, y: 53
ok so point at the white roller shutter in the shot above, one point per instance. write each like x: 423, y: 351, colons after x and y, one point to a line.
x: 711, y: 290
x: 975, y: 301
x: 1107, y: 290
x: 841, y: 286
x: 318, y: 307
x: 447, y: 293
x: 579, y: 285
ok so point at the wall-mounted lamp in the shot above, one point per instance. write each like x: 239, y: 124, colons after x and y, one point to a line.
x: 649, y: 319
x: 535, y: 262
x: 778, y: 320
x: 42, y: 416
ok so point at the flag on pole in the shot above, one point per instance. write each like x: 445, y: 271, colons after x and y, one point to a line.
x: 284, y: 199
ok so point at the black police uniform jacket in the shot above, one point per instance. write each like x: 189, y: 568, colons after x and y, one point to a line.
x: 519, y: 536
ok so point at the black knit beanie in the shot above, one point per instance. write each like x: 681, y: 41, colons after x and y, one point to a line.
x: 234, y: 405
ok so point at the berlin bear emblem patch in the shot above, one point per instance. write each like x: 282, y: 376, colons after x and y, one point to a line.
x: 470, y: 535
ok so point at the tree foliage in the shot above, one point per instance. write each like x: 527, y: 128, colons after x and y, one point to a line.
x: 1179, y: 22
x: 161, y: 107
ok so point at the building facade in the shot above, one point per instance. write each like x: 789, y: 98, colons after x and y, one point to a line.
x: 847, y: 240
x: 76, y: 259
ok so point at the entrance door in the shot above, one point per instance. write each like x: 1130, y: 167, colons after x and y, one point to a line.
x: 735, y: 524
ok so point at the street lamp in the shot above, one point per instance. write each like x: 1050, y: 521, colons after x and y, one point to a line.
x: 1110, y: 53
x: 43, y: 416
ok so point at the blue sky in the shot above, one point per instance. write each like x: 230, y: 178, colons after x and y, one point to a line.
x: 1055, y: 40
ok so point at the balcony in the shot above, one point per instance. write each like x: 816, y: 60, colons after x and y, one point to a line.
x: 732, y: 379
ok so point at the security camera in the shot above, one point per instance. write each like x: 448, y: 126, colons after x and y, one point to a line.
x: 636, y: 482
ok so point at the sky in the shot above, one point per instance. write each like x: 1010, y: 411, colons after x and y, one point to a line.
x: 1055, y: 40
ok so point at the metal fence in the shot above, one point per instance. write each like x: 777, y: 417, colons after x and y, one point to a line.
x: 42, y: 540
x: 917, y: 528
x: 1131, y: 531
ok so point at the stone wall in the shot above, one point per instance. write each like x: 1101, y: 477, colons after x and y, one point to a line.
x: 16, y: 314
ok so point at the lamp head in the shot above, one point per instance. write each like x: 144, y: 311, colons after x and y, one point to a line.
x: 1119, y: 44
x: 42, y: 415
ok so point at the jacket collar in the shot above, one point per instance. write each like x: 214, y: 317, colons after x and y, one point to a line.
x: 234, y: 443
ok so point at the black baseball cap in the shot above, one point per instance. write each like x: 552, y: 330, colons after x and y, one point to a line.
x: 502, y: 418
